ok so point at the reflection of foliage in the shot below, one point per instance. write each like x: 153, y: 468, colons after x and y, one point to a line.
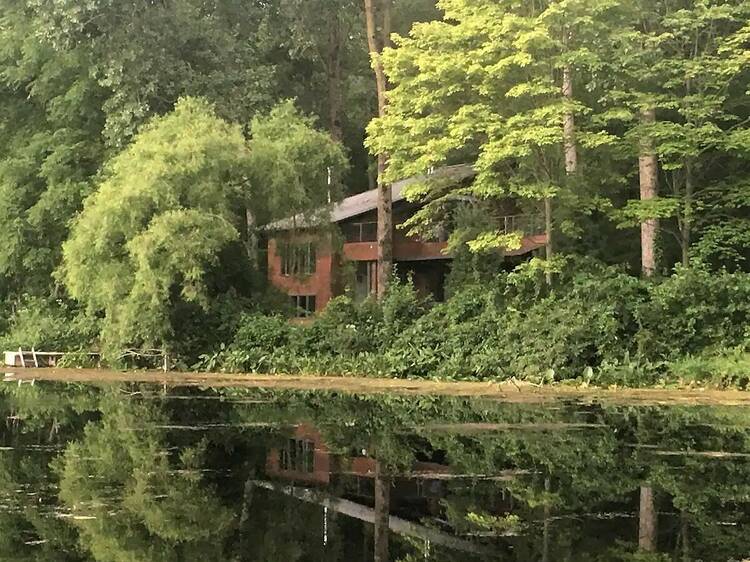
x: 142, y: 503
x: 141, y: 490
x: 626, y: 553
x: 45, y: 420
x: 466, y: 517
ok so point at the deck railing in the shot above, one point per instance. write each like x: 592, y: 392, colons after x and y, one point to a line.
x: 530, y: 225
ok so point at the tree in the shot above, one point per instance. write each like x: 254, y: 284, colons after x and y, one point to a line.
x: 149, y: 54
x: 378, y: 16
x: 491, y: 84
x: 78, y: 80
x: 677, y: 72
x: 172, y: 204
x: 50, y: 147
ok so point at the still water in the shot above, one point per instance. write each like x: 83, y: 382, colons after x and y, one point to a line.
x: 132, y: 472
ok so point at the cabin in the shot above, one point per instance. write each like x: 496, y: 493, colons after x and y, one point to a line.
x: 312, y: 267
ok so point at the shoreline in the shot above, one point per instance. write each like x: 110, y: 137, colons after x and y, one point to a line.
x: 509, y: 392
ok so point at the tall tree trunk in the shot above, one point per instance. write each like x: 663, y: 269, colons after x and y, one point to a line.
x: 570, y: 148
x: 686, y: 226
x: 647, y: 520
x: 549, y: 248
x: 648, y: 167
x: 569, y: 124
x: 382, y: 513
x: 251, y: 238
x: 378, y: 16
x: 547, y: 516
x: 335, y: 92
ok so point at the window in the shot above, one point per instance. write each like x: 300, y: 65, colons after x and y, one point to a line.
x: 366, y: 280
x: 298, y: 455
x: 360, y: 232
x: 304, y: 305
x: 298, y: 259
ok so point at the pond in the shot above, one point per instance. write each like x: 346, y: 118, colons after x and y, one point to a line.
x: 138, y: 471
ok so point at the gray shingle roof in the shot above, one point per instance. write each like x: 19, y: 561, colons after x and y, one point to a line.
x: 368, y: 201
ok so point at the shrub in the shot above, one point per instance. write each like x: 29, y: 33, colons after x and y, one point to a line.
x: 729, y: 368
x: 695, y: 310
x: 343, y: 328
x: 596, y: 324
x: 50, y: 325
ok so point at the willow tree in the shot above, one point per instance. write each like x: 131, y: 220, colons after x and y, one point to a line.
x: 171, y: 207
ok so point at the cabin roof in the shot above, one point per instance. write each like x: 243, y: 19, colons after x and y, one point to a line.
x: 367, y: 201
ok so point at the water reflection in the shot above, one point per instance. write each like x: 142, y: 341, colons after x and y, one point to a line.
x: 146, y: 473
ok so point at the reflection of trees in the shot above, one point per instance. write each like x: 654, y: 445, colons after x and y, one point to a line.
x: 696, y: 460
x: 528, y: 482
x: 577, y: 472
x: 286, y: 529
x: 36, y: 426
x: 132, y: 497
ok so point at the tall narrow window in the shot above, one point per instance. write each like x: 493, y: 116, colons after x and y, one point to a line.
x: 298, y: 455
x: 366, y: 279
x: 298, y: 259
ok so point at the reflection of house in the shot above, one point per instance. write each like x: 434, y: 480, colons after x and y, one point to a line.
x: 302, y: 458
x: 306, y: 459
x: 303, y: 467
x: 311, y: 268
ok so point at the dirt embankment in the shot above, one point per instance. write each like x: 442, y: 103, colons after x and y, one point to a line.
x: 506, y: 392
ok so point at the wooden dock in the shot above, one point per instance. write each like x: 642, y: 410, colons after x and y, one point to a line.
x: 35, y: 359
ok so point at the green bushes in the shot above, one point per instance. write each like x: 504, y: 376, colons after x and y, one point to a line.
x: 596, y: 324
x: 512, y: 329
x: 48, y: 324
x: 695, y: 310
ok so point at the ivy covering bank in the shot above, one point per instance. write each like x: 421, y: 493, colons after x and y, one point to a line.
x: 596, y: 325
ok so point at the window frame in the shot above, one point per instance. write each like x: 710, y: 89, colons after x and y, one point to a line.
x: 304, y: 305
x: 297, y: 455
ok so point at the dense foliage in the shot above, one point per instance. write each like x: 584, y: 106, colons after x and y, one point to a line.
x: 596, y: 325
x: 175, y: 202
x: 545, y: 99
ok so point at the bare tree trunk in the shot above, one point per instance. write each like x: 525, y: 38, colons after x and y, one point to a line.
x: 251, y: 241
x: 569, y: 125
x: 547, y: 515
x: 382, y: 513
x: 686, y: 226
x: 378, y: 16
x: 335, y: 93
x: 648, y: 166
x: 647, y: 520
